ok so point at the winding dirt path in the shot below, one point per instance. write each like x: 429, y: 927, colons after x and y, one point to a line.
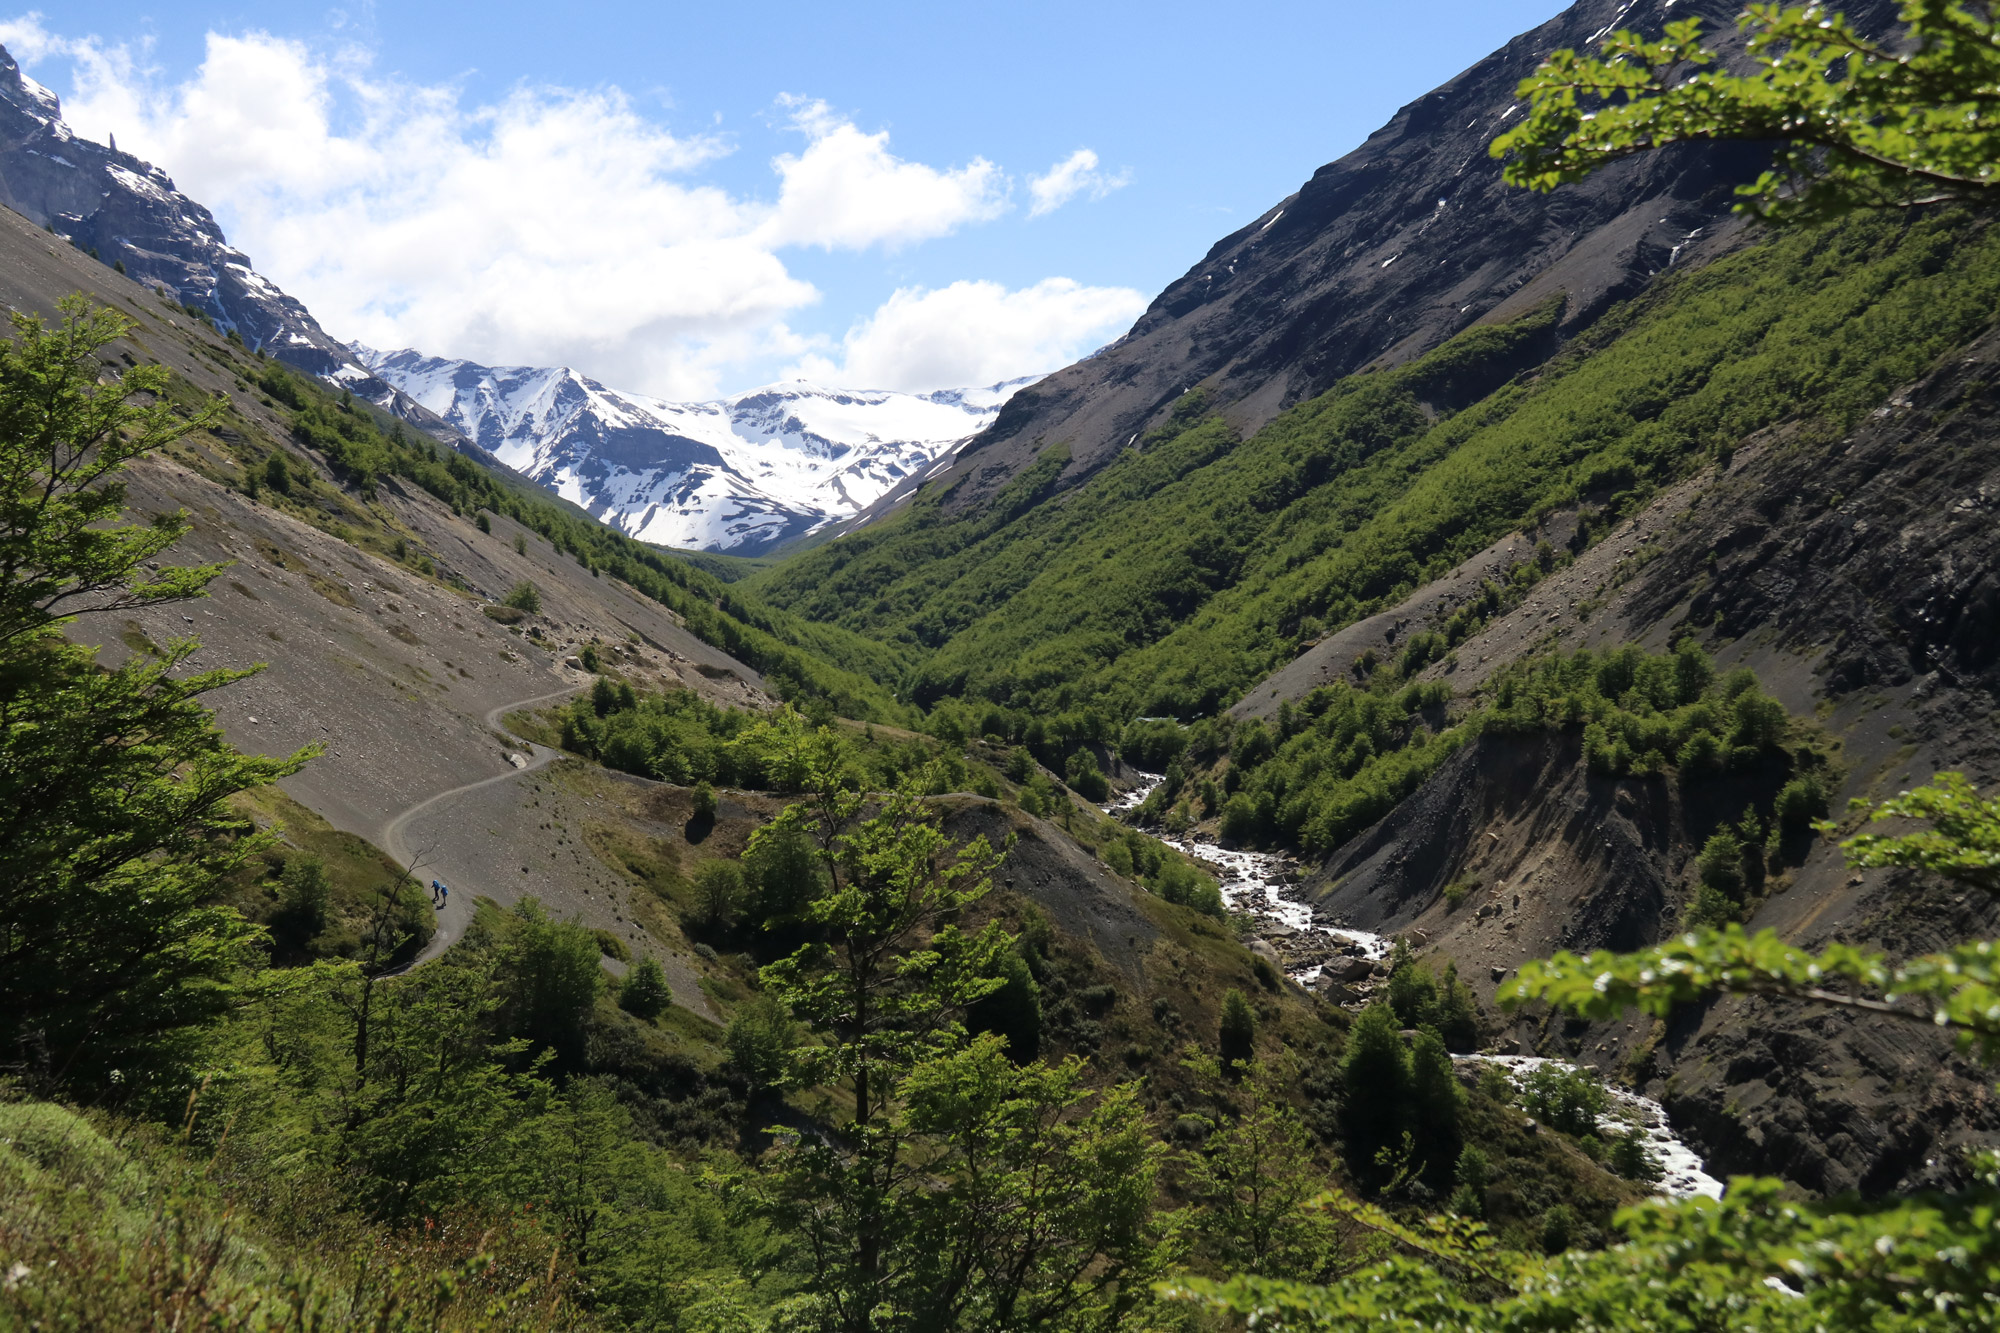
x: 457, y: 911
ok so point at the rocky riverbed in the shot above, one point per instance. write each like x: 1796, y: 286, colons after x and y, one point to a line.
x: 1345, y: 965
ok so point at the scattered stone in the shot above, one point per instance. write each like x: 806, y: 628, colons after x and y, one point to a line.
x: 1348, y: 969
x: 1500, y: 973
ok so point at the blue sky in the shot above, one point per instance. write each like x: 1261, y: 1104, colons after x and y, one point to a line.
x: 691, y: 199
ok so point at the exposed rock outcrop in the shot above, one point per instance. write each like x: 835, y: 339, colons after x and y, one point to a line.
x: 1385, y: 253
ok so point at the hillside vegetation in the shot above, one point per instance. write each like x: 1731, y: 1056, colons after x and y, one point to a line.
x: 1180, y: 574
x: 364, y: 449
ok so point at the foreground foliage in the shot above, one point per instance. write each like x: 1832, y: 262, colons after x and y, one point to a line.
x: 1904, y: 121
x: 1757, y: 1259
x: 961, y: 1190
x: 116, y: 837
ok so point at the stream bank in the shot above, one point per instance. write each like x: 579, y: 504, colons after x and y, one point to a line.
x: 1344, y: 965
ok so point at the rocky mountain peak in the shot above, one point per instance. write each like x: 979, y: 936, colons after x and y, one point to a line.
x: 1384, y: 253
x: 742, y: 474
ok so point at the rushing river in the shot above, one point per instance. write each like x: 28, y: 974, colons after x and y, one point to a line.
x: 1261, y: 884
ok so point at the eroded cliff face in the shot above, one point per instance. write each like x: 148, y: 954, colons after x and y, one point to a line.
x: 1388, y: 251
x: 1860, y: 578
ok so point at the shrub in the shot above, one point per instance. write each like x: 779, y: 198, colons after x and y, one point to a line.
x: 1014, y: 1011
x: 1558, y: 1229
x: 1086, y: 779
x: 718, y: 895
x: 303, y: 900
x: 1564, y: 1098
x: 278, y: 473
x: 1711, y: 909
x: 1184, y: 886
x: 1239, y: 819
x: 1800, y: 802
x: 1632, y: 1159
x: 1152, y: 743
x: 549, y: 979
x: 1238, y: 1031
x: 760, y: 1039
x: 645, y: 993
x: 485, y: 523
x: 524, y: 596
x: 784, y: 875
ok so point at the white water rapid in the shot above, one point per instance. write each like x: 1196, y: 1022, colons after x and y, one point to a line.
x: 1259, y: 883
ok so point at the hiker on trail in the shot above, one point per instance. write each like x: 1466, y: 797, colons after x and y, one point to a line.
x: 438, y: 892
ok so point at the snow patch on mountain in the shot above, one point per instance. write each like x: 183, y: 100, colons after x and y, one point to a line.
x: 740, y: 474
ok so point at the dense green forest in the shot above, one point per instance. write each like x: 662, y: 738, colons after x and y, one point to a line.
x: 1178, y: 575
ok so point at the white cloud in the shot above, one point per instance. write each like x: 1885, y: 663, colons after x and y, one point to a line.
x: 553, y: 226
x: 846, y: 190
x: 974, y: 333
x: 1074, y: 175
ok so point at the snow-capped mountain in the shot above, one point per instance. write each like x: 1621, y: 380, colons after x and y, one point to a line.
x: 740, y: 474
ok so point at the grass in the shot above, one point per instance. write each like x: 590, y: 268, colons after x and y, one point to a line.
x: 105, y: 1224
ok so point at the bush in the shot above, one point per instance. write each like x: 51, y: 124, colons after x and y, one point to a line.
x: 1238, y: 1031
x: 704, y: 801
x: 1151, y: 744
x: 645, y: 993
x: 760, y: 1039
x: 784, y: 875
x: 1711, y: 910
x: 1563, y: 1098
x: 1014, y: 1011
x: 1239, y: 820
x: 1474, y: 1173
x: 1632, y: 1159
x: 524, y: 596
x: 1800, y: 802
x: 304, y: 896
x: 1422, y: 1001
x: 718, y: 895
x: 549, y: 979
x: 485, y: 523
x: 278, y: 473
x: 1184, y: 886
x: 1558, y: 1229
x: 1086, y: 779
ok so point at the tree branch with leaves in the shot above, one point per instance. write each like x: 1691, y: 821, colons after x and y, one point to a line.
x: 1855, y: 121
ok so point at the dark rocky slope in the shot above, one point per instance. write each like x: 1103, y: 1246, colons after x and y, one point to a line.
x: 123, y: 210
x: 1860, y: 578
x: 1383, y: 254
